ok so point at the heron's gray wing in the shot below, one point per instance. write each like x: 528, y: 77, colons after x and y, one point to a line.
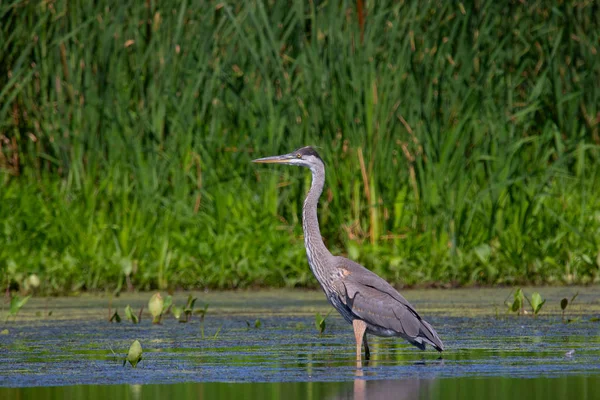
x: 377, y: 307
x: 359, y: 274
x: 375, y: 301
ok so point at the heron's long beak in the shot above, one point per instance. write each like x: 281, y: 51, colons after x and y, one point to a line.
x: 284, y: 159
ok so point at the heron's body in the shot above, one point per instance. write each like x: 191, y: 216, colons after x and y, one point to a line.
x: 363, y: 299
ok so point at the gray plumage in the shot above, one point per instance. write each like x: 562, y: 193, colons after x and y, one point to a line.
x: 364, y: 299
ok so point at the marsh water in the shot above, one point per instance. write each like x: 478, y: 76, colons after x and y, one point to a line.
x: 65, y: 347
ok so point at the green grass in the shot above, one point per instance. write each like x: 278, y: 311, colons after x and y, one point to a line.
x: 462, y: 141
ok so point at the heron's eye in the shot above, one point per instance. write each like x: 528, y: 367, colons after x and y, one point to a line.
x: 298, y: 155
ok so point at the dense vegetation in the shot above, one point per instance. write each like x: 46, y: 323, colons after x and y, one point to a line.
x: 462, y: 140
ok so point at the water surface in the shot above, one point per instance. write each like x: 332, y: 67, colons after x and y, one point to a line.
x: 489, y: 353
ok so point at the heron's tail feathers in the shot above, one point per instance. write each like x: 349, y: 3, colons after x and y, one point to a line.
x: 428, y: 335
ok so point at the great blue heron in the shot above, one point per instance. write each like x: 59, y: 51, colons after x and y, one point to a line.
x: 364, y: 299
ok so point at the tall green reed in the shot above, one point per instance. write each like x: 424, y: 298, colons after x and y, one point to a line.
x: 461, y: 141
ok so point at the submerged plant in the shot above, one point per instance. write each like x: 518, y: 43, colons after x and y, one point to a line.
x: 299, y: 326
x: 257, y: 324
x: 202, y: 312
x: 134, y: 356
x: 216, y: 335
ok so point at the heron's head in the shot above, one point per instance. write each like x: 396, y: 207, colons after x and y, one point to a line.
x: 303, y: 157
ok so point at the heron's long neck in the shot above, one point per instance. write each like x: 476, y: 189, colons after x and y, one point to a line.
x: 317, y: 253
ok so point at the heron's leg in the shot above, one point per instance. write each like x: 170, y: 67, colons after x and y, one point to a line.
x: 366, y: 344
x: 359, y: 333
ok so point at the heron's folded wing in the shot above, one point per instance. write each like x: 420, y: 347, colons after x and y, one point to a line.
x: 380, y: 308
x: 362, y: 276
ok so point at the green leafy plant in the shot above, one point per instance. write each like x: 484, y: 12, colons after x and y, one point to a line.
x: 115, y: 317
x: 536, y: 303
x: 517, y: 305
x: 256, y: 325
x: 167, y: 304
x: 16, y: 303
x: 159, y: 306
x: 177, y: 313
x: 184, y: 314
x: 202, y: 313
x: 155, y: 306
x: 320, y: 322
x: 518, y: 302
x: 130, y: 315
x: 134, y: 356
x: 216, y: 335
x: 564, y: 303
x: 189, y: 308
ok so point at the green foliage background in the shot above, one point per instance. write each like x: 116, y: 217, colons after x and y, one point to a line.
x: 461, y: 141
